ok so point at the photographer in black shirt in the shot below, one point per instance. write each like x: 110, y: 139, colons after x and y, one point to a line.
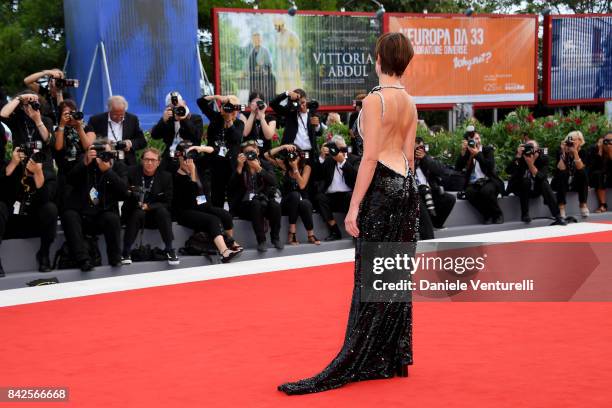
x: 177, y: 124
x: 224, y: 135
x: 570, y: 174
x: 26, y: 203
x: 294, y: 189
x: 528, y: 179
x: 600, y: 169
x: 49, y: 84
x: 98, y: 183
x: 253, y: 186
x: 259, y: 126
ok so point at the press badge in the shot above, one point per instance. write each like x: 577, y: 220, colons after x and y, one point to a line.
x: 251, y: 195
x: 93, y: 196
x: 259, y: 143
x: 222, y: 151
x: 16, y: 208
x: 201, y: 199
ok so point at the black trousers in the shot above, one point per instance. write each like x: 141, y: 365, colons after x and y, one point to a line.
x: 257, y: 211
x: 328, y: 203
x: 540, y: 188
x: 200, y: 221
x: 77, y: 225
x: 579, y: 185
x: 137, y: 219
x: 41, y: 222
x: 221, y: 172
x: 443, y: 204
x: 294, y: 205
x: 484, y: 198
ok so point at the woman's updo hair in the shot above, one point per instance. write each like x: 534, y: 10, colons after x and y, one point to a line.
x: 395, y: 52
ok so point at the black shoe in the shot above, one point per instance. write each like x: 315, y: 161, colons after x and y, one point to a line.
x: 499, y: 219
x: 526, y: 218
x: 44, y: 264
x: 334, y: 233
x: 228, y: 255
x: 559, y: 221
x: 2, y: 274
x: 126, y: 260
x: 172, y: 258
x: 262, y: 247
x: 86, y: 265
x: 486, y: 221
x: 277, y: 243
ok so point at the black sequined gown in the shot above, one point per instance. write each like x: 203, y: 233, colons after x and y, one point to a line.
x: 379, y: 334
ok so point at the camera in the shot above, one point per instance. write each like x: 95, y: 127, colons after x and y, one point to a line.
x: 66, y: 83
x: 120, y: 145
x: 98, y: 147
x: 107, y: 155
x: 229, y: 107
x: 424, y: 147
x: 293, y: 106
x: 569, y: 142
x: 471, y: 143
x: 334, y: 149
x: 425, y: 192
x: 33, y: 150
x: 607, y: 142
x: 76, y: 115
x: 357, y: 104
x: 312, y: 105
x: 251, y: 155
x: 177, y: 110
x: 33, y: 104
x: 528, y: 149
x: 181, y: 151
x: 261, y: 105
x: 137, y: 192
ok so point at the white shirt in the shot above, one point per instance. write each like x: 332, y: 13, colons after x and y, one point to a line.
x: 421, y: 176
x: 477, y: 172
x: 337, y: 185
x: 301, y: 138
x: 177, y: 138
x: 115, y: 130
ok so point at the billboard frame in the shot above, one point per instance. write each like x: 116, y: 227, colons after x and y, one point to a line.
x: 215, y: 42
x: 478, y: 105
x: 547, y: 64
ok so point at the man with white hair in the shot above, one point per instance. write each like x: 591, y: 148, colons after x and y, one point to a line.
x: 122, y: 129
x: 177, y: 125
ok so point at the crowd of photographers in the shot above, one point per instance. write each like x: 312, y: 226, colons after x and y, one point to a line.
x: 88, y: 175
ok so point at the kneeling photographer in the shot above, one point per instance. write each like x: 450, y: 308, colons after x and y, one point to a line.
x: 335, y: 173
x: 224, y: 135
x: 148, y: 204
x: 72, y: 139
x: 177, y: 124
x: 302, y: 125
x: 98, y: 183
x: 482, y: 185
x: 436, y: 204
x: 191, y: 203
x: 528, y: 179
x: 294, y: 189
x: 26, y: 203
x: 253, y: 187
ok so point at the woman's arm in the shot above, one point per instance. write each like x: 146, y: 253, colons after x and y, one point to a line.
x: 409, y: 141
x: 268, y: 129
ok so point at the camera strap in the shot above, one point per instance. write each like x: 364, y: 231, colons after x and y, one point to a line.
x: 147, y: 190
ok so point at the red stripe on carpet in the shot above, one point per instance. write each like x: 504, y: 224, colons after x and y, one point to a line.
x: 602, y: 236
x: 230, y: 342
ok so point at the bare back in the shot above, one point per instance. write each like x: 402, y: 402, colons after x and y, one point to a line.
x: 389, y: 127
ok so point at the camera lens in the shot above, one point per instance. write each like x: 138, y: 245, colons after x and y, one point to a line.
x: 261, y: 105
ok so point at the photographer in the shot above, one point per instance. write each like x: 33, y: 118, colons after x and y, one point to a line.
x: 294, y: 189
x: 48, y: 84
x: 72, y: 139
x: 259, y: 126
x: 148, y: 204
x: 178, y: 124
x: 29, y: 128
x: 26, y: 203
x: 600, y: 169
x: 302, y: 125
x: 436, y: 204
x: 570, y: 174
x: 528, y: 179
x: 253, y: 186
x: 192, y: 207
x: 356, y: 140
x: 98, y: 183
x: 121, y: 128
x: 482, y: 185
x: 224, y: 135
x: 336, y: 172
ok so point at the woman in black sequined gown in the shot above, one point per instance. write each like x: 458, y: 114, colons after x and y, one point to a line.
x: 384, y: 208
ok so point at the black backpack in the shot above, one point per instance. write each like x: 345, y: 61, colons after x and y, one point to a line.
x: 65, y: 260
x: 200, y: 243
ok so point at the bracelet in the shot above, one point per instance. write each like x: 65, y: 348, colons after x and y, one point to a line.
x: 60, y: 128
x: 40, y: 124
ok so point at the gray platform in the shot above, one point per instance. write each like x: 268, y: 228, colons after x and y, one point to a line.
x: 21, y: 267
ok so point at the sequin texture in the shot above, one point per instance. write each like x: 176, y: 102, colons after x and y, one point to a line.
x: 379, y: 334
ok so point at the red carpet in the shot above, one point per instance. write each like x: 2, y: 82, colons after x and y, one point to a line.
x: 230, y: 342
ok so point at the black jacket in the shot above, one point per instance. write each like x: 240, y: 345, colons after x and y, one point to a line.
x: 433, y: 170
x: 486, y: 159
x: 160, y: 194
x: 190, y: 131
x: 186, y: 191
x: 131, y: 131
x: 111, y: 186
x: 217, y: 133
x: 265, y: 182
x: 517, y: 169
x: 13, y: 189
x: 292, y: 122
x: 324, y: 172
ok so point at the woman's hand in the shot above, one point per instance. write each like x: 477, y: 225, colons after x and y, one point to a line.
x: 350, y: 222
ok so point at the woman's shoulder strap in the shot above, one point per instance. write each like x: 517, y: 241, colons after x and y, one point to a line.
x: 376, y: 90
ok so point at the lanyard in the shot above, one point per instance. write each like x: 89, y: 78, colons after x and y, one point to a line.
x: 302, y: 122
x: 112, y: 130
